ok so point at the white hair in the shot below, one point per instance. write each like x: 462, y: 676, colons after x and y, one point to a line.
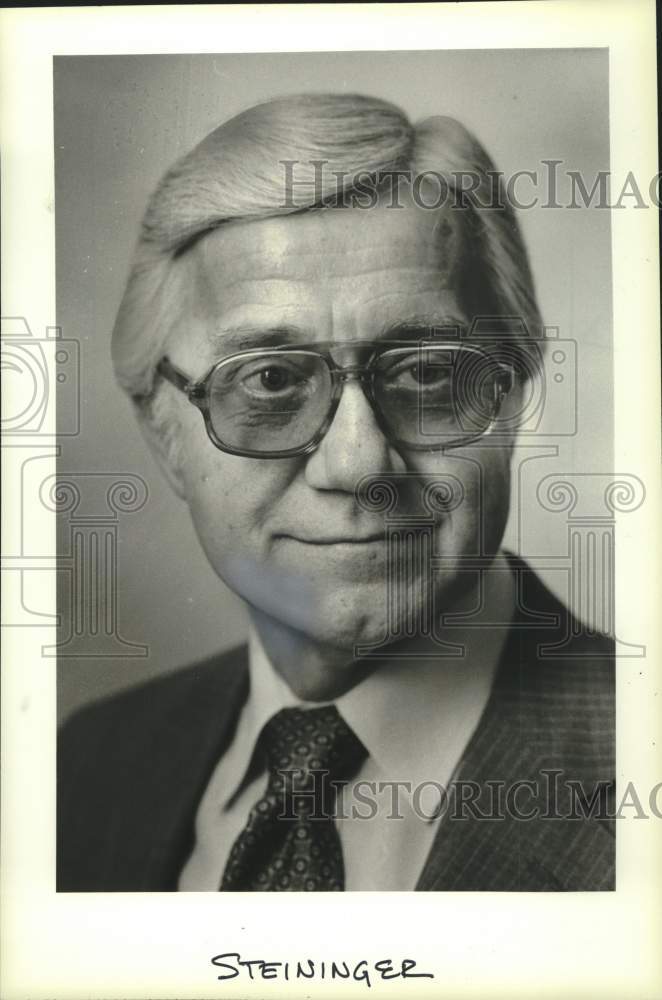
x: 236, y: 173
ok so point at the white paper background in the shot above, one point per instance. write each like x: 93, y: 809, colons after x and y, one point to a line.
x: 507, y: 945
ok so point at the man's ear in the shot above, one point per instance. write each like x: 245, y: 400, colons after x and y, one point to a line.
x: 164, y: 450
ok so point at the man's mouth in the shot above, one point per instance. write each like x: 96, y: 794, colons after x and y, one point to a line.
x: 337, y: 539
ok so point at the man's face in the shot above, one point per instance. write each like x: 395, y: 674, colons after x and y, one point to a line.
x: 288, y: 534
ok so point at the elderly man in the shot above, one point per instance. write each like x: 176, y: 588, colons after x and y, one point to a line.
x: 303, y: 335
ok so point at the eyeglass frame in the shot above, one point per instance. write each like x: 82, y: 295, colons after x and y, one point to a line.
x: 197, y: 390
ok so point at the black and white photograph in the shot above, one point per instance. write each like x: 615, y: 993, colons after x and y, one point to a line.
x: 330, y: 444
x: 332, y: 341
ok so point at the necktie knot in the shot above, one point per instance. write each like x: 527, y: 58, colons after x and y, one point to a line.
x: 311, y: 740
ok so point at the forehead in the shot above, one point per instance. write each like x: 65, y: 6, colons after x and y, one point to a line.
x: 340, y: 268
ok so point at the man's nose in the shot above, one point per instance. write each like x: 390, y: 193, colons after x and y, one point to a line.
x: 354, y: 446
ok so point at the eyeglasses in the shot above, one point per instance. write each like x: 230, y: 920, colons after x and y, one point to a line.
x: 280, y: 402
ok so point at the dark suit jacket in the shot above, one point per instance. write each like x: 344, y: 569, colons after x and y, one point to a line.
x: 132, y: 769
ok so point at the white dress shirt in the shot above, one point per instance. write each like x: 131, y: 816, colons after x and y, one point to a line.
x: 415, y: 717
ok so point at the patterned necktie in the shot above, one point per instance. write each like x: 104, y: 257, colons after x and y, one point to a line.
x: 290, y: 842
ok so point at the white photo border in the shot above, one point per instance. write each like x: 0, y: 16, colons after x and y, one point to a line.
x: 482, y: 944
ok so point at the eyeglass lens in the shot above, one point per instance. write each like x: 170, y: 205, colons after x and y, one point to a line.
x: 280, y: 400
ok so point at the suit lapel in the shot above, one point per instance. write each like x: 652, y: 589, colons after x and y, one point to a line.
x: 536, y: 721
x: 195, y: 738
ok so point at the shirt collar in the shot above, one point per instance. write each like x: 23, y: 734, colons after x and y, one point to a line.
x: 415, y: 713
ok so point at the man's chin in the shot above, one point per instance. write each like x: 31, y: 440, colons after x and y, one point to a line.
x: 341, y: 617
x: 334, y: 610
x: 348, y: 630
x: 339, y: 621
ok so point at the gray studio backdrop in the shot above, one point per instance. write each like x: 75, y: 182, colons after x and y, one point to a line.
x: 119, y: 122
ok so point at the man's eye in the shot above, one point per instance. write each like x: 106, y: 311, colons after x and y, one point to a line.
x: 418, y: 372
x: 273, y: 378
x: 428, y: 374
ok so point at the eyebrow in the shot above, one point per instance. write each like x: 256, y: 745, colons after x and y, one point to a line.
x: 246, y: 338
x: 418, y: 327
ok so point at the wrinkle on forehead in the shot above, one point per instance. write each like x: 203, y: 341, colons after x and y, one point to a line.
x: 326, y: 244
